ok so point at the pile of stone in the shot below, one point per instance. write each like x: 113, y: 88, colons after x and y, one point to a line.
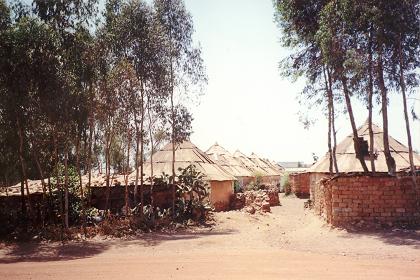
x: 255, y: 200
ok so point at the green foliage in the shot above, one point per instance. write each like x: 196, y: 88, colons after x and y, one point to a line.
x: 237, y: 187
x: 75, y: 200
x: 75, y: 86
x: 285, y: 184
x: 193, y: 194
x: 257, y: 184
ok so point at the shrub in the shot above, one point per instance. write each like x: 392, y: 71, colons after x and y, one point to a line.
x: 286, y: 185
x: 193, y: 202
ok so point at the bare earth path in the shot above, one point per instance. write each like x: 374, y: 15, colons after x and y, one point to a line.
x: 289, y: 243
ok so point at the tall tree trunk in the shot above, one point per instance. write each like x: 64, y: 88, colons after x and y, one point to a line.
x: 66, y: 188
x: 327, y: 90
x: 356, y: 141
x: 6, y: 181
x: 136, y: 156
x: 57, y: 178
x: 52, y: 218
x: 172, y: 84
x: 127, y: 169
x: 390, y: 162
x: 23, y: 202
x: 136, y: 163
x: 173, y: 153
x: 407, y: 121
x: 46, y: 201
x: 79, y: 173
x: 23, y: 167
x: 370, y: 108
x: 89, y: 163
x: 152, y: 202
x: 173, y: 143
x: 142, y: 147
x: 334, y: 133
x: 107, y: 171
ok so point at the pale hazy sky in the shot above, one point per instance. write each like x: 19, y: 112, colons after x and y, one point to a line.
x: 247, y: 105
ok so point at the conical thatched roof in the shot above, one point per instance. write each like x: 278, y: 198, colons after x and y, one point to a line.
x: 277, y: 166
x: 248, y: 163
x: 264, y: 165
x: 223, y: 158
x: 346, y: 156
x: 186, y: 154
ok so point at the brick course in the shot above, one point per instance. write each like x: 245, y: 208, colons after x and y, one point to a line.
x: 344, y: 200
x: 299, y: 183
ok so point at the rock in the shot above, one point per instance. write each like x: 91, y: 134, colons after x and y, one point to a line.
x: 250, y: 209
x: 273, y: 197
x: 237, y: 201
x: 265, y: 207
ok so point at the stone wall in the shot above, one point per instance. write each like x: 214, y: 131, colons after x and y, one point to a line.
x: 299, y: 183
x: 344, y: 200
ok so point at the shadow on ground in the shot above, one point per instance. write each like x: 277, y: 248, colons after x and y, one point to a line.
x: 398, y: 237
x: 56, y: 251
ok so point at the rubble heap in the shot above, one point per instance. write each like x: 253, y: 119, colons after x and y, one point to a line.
x: 255, y: 200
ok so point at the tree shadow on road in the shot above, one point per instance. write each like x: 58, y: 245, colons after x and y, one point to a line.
x: 57, y: 251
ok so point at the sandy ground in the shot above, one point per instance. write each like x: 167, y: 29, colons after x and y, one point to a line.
x: 289, y: 243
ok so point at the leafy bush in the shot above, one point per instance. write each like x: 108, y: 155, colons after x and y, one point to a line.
x: 287, y: 188
x: 237, y: 187
x: 75, y: 200
x: 193, y: 192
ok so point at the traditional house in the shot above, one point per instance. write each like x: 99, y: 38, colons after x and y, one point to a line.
x: 273, y: 176
x: 220, y: 181
x: 348, y: 163
x: 224, y: 159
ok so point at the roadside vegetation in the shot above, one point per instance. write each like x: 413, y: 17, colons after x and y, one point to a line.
x: 85, y: 90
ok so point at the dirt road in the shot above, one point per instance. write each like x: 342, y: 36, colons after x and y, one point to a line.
x: 289, y: 243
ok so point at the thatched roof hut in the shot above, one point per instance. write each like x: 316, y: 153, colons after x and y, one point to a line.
x: 346, y: 156
x: 186, y: 153
x: 303, y: 183
x: 224, y: 159
x: 248, y: 163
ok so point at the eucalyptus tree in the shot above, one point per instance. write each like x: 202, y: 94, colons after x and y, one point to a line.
x: 182, y: 58
x: 71, y: 20
x: 31, y: 78
x: 126, y: 87
x: 135, y: 38
x: 404, y: 46
x: 299, y: 23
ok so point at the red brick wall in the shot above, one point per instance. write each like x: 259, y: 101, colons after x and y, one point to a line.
x: 348, y: 199
x: 299, y: 183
